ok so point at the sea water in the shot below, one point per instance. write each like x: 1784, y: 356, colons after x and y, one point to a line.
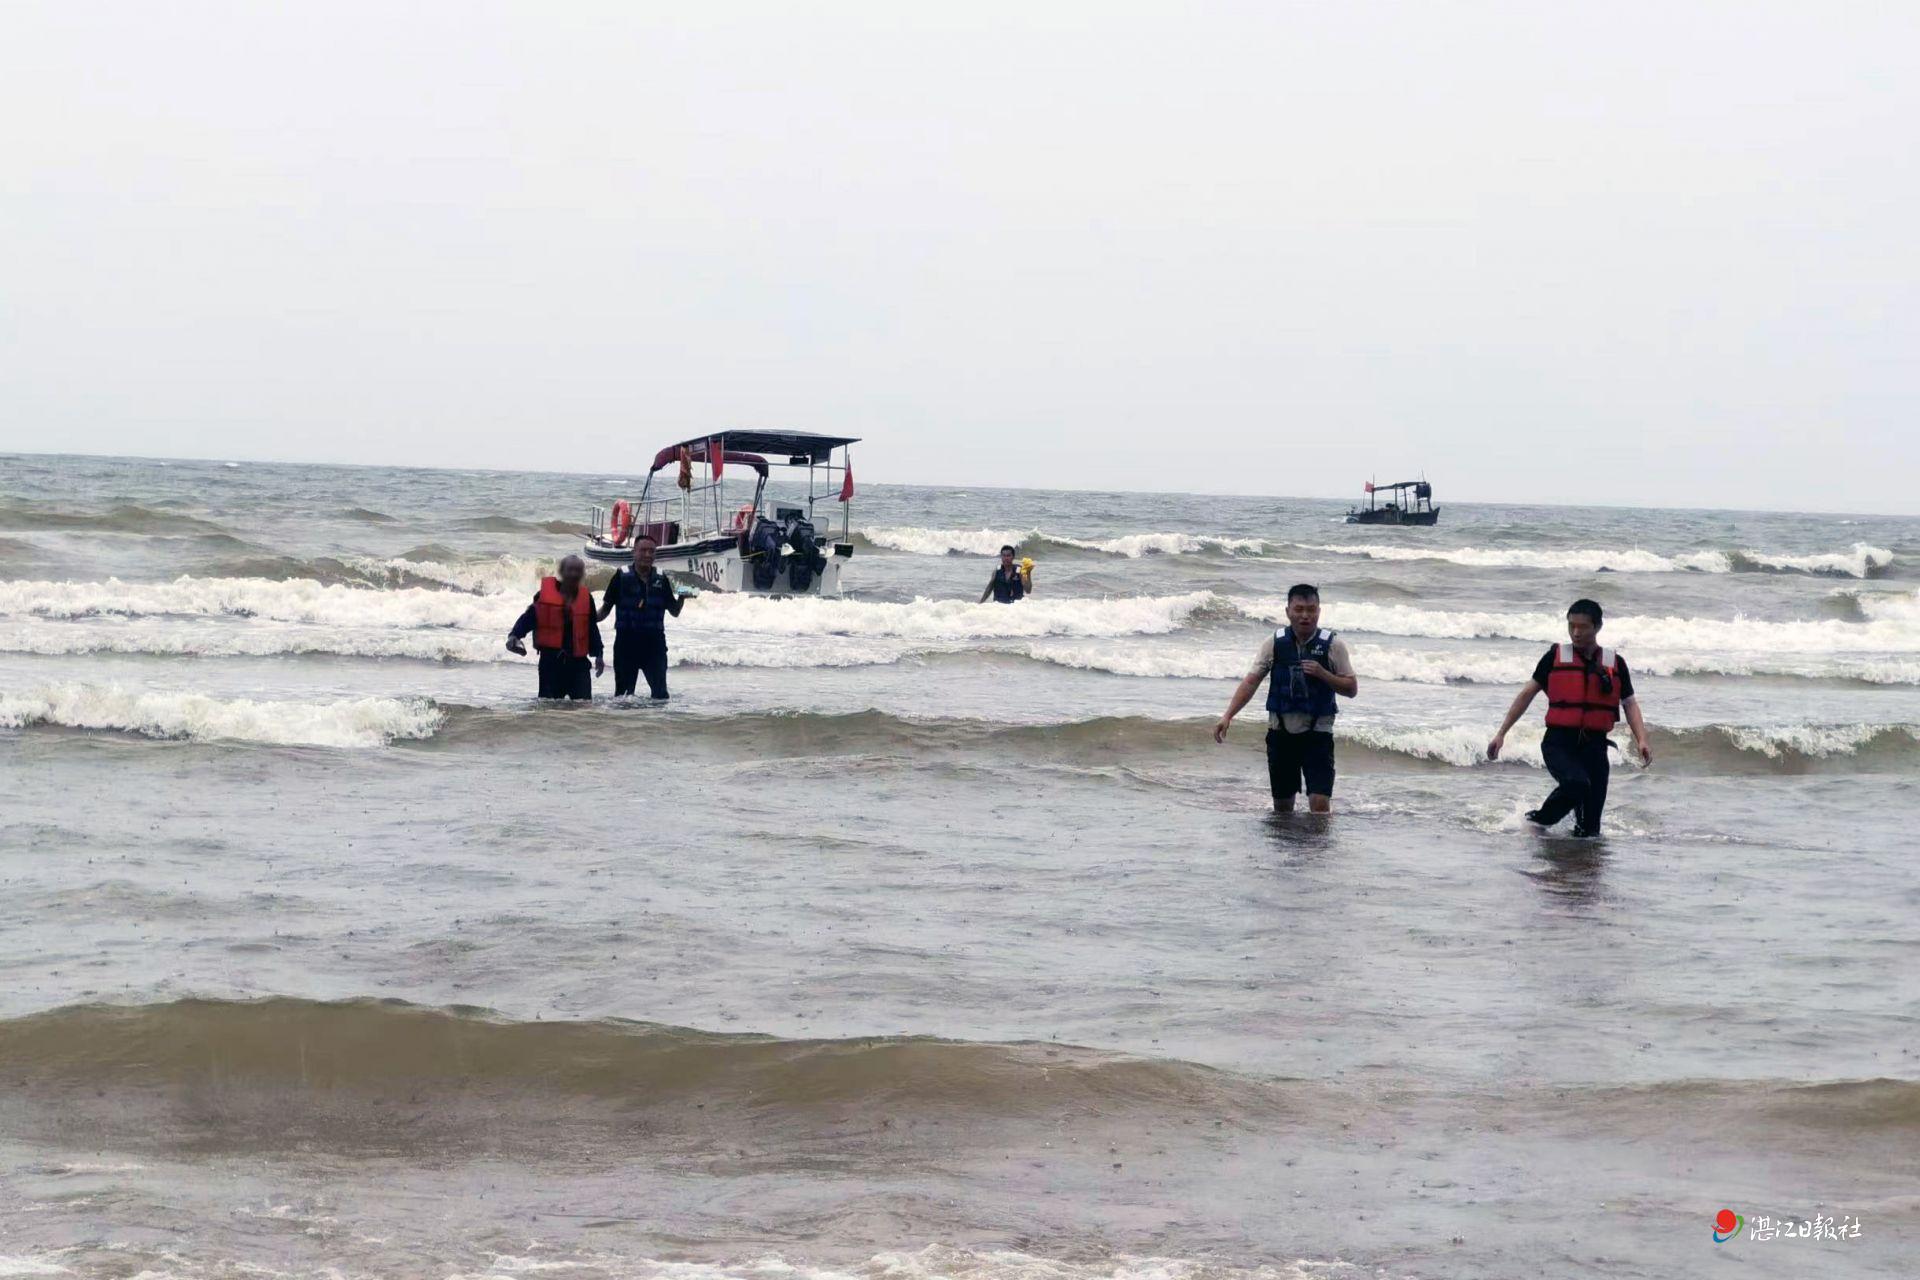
x: 918, y: 937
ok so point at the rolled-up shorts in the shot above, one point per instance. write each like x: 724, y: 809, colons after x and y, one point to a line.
x: 1296, y: 757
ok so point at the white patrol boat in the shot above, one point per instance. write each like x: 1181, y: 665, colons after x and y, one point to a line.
x: 770, y: 545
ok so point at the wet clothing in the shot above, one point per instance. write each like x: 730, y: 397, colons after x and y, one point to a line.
x: 1291, y: 691
x: 637, y: 653
x: 640, y: 607
x: 1337, y: 661
x: 1007, y: 585
x: 641, y: 604
x: 1577, y: 759
x: 562, y: 674
x: 1294, y: 758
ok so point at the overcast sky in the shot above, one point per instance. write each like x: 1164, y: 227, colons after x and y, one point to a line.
x: 1625, y: 253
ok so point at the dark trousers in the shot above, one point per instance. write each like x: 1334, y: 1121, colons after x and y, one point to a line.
x: 1577, y: 760
x: 637, y: 653
x: 564, y: 676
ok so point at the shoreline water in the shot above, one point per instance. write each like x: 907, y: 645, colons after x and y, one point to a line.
x: 911, y: 918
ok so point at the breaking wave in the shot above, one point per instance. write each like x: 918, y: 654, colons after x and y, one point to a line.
x: 1891, y: 633
x: 1862, y: 561
x: 351, y: 723
x: 1575, y: 559
x: 951, y: 619
x: 987, y: 542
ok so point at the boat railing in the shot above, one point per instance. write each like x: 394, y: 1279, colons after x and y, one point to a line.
x: 685, y: 515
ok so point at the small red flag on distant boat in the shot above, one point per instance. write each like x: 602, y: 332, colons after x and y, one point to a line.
x: 716, y: 457
x: 846, y: 486
x: 1369, y: 486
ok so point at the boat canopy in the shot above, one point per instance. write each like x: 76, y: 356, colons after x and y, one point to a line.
x: 697, y: 452
x: 800, y: 447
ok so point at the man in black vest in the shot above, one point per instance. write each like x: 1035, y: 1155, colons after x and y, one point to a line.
x: 640, y: 598
x: 1009, y: 583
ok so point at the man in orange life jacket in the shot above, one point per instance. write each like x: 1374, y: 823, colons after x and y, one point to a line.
x: 1587, y: 689
x: 565, y: 632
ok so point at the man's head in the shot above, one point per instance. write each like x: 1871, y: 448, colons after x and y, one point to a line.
x: 643, y: 549
x: 573, y: 570
x: 1006, y: 557
x: 1303, y: 607
x: 1584, y: 620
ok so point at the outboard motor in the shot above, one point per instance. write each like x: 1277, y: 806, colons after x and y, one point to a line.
x: 806, y: 560
x: 764, y: 546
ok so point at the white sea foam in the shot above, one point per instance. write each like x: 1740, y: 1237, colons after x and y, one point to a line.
x: 1415, y: 666
x: 295, y: 600
x: 987, y: 542
x: 1887, y: 636
x: 938, y: 1262
x: 1861, y: 561
x: 1889, y: 607
x: 357, y: 722
x: 1459, y: 745
x: 503, y: 574
x: 946, y: 619
x: 1577, y: 559
x: 1815, y: 740
x: 239, y: 639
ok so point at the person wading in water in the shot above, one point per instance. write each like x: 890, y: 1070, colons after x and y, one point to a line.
x: 640, y: 599
x: 1010, y: 583
x: 565, y: 632
x: 1309, y: 667
x: 1587, y: 689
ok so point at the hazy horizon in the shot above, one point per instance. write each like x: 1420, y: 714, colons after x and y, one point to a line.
x: 1630, y: 257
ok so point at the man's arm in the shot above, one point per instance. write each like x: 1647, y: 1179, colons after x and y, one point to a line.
x: 1528, y: 692
x: 520, y: 628
x: 606, y: 605
x: 1637, y: 723
x: 987, y: 592
x: 674, y: 598
x: 1242, y: 692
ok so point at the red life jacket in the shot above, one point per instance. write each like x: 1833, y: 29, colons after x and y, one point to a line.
x: 1575, y: 699
x: 549, y: 617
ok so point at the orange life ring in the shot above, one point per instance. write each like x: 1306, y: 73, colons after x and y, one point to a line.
x: 620, y: 522
x: 743, y: 517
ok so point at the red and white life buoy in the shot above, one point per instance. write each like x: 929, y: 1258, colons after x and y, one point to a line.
x: 620, y: 523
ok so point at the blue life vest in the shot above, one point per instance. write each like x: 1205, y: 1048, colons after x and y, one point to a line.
x: 1291, y: 691
x: 640, y: 604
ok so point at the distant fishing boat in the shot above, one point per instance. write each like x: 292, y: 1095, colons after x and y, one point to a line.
x: 1407, y: 502
x: 759, y: 547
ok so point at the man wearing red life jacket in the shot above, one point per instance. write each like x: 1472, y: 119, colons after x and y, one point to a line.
x: 1587, y: 690
x: 565, y: 632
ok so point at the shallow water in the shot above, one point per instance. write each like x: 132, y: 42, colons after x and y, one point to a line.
x: 918, y: 937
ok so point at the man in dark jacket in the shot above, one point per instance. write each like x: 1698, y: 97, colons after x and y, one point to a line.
x: 640, y: 599
x: 565, y: 632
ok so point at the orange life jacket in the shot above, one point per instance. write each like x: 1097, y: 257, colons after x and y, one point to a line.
x: 549, y: 617
x: 1575, y: 696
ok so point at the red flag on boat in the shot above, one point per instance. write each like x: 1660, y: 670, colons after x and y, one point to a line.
x: 846, y: 486
x: 716, y: 457
x: 1369, y: 486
